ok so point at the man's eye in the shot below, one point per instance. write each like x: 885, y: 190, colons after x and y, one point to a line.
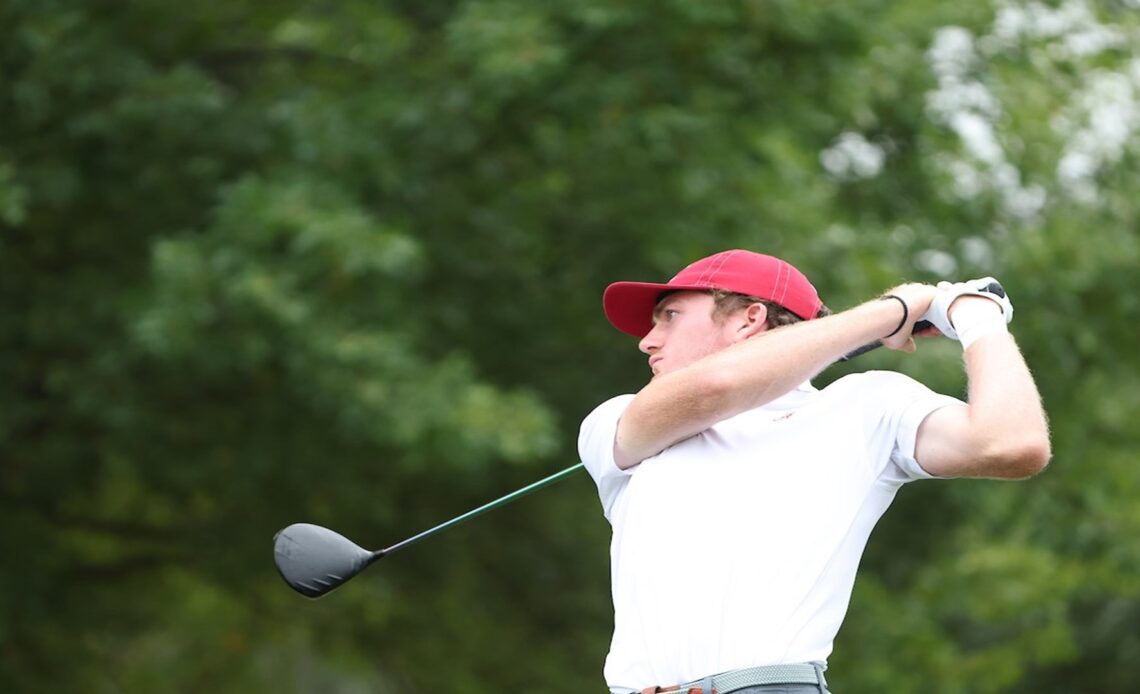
x: 669, y: 313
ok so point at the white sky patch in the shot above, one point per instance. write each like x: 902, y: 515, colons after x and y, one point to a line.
x: 978, y: 137
x: 1103, y: 118
x: 1071, y: 29
x: 963, y: 103
x: 1090, y: 70
x: 852, y: 156
x: 952, y: 53
x: 967, y: 180
x: 977, y: 251
x: 1026, y: 202
x: 939, y: 263
x: 1096, y: 125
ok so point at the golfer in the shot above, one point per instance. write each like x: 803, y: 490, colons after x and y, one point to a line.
x: 741, y: 497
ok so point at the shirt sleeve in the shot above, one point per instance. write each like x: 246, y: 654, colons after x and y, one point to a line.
x: 908, y: 404
x: 596, y: 448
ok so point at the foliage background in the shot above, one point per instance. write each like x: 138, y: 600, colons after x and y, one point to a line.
x: 280, y: 261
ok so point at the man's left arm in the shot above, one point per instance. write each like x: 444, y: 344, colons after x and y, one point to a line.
x: 1002, y: 432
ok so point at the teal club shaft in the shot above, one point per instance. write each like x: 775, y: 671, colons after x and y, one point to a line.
x: 546, y: 481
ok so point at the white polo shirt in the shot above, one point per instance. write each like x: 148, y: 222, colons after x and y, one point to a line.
x: 738, y: 546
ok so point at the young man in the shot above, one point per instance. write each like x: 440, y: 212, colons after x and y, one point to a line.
x: 741, y: 497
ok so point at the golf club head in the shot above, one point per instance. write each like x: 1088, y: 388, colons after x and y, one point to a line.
x: 315, y: 560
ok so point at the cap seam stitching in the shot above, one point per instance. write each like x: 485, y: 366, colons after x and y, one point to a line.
x: 714, y: 268
x: 781, y: 287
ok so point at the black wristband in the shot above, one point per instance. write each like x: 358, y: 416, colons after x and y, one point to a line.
x: 906, y: 312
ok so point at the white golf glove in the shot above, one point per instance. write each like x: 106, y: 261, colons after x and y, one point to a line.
x: 970, y: 322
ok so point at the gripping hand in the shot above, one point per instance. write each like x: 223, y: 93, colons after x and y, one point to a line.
x: 965, y: 323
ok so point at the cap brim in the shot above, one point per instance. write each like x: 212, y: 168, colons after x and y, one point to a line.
x: 629, y: 305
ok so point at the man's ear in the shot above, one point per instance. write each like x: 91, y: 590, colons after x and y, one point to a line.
x: 754, y: 321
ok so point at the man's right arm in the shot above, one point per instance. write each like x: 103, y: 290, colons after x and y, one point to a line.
x: 1003, y: 431
x: 750, y: 373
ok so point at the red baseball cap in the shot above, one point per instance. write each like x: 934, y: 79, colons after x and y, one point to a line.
x: 629, y: 305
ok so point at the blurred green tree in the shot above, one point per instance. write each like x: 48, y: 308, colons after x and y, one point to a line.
x: 274, y: 262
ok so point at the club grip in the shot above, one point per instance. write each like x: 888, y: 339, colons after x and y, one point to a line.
x: 995, y: 288
x: 918, y: 327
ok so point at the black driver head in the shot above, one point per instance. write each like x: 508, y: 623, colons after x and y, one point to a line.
x: 315, y: 560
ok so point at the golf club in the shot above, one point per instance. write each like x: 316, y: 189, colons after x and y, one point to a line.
x: 314, y: 560
x: 918, y: 327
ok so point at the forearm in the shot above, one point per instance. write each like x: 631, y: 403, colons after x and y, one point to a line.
x: 677, y: 405
x: 1005, y: 408
x: 1002, y: 432
x: 759, y: 370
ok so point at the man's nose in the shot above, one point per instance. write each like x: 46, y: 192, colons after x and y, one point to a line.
x: 651, y: 342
